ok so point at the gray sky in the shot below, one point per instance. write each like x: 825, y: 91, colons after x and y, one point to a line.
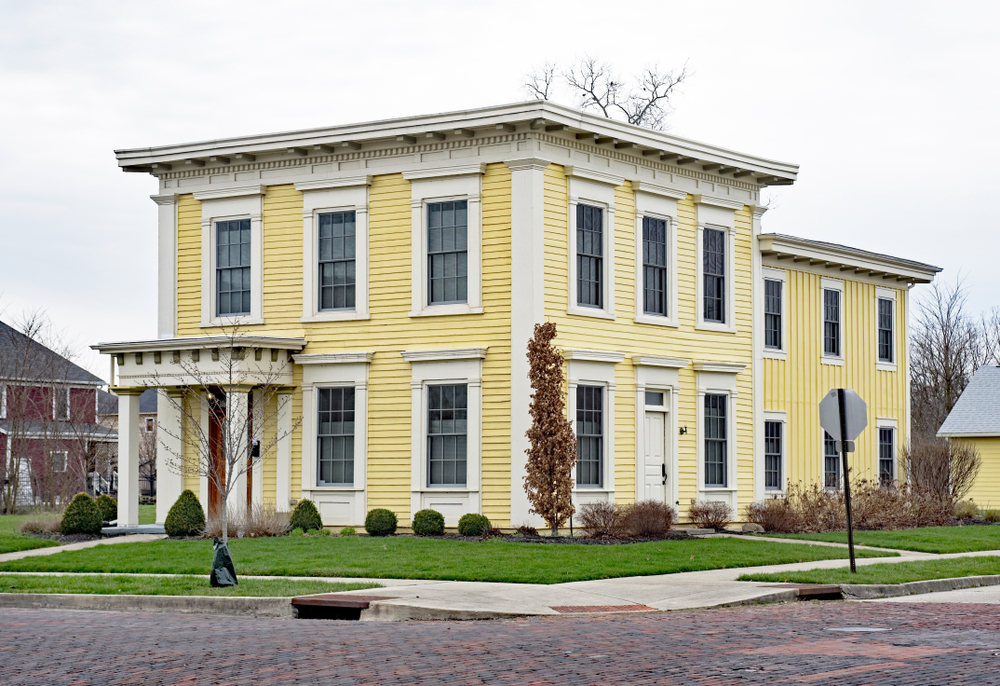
x: 868, y: 97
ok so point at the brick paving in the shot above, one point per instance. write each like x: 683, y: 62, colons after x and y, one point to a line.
x: 789, y: 644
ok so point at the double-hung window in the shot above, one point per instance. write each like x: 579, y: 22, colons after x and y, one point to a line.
x: 714, y: 275
x: 447, y: 252
x: 831, y: 323
x: 716, y: 441
x: 60, y: 405
x: 589, y: 435
x: 885, y: 330
x: 772, y: 456
x: 831, y: 462
x: 232, y: 267
x: 654, y: 266
x: 337, y: 261
x: 447, y: 434
x: 589, y: 256
x: 59, y: 460
x: 886, y: 456
x: 335, y: 437
x: 772, y: 314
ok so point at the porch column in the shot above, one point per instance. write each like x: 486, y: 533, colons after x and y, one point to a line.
x: 237, y: 413
x: 128, y: 455
x: 169, y: 451
x: 257, y: 481
x: 283, y: 449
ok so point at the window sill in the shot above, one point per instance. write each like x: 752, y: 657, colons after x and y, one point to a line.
x: 594, y: 312
x: 834, y: 361
x: 719, y: 328
x: 592, y: 489
x: 335, y: 489
x: 886, y: 367
x: 339, y: 316
x: 655, y: 320
x: 772, y: 354
x: 717, y: 489
x: 447, y: 489
x: 234, y: 321
x: 445, y: 310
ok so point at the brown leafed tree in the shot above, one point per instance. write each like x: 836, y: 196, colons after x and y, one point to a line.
x: 552, y: 454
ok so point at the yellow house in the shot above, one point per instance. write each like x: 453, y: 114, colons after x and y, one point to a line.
x: 395, y: 270
x: 975, y: 419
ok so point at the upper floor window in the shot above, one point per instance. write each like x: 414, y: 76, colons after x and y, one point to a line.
x: 831, y: 462
x: 772, y: 314
x: 447, y: 252
x: 714, y: 275
x: 335, y: 437
x: 885, y: 330
x: 654, y: 266
x: 716, y: 441
x: 337, y: 261
x: 590, y: 256
x: 773, y: 456
x: 447, y: 434
x: 886, y: 456
x: 233, y: 267
x: 831, y: 322
x: 589, y: 435
x: 60, y: 404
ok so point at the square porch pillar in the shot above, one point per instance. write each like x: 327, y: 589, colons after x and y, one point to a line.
x: 128, y: 455
x: 169, y: 450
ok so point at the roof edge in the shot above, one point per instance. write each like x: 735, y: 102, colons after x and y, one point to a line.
x: 201, y: 343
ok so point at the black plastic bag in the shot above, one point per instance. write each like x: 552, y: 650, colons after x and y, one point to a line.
x: 223, y: 571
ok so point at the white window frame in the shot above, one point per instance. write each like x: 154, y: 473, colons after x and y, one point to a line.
x: 887, y: 423
x: 329, y: 370
x: 65, y: 460
x: 442, y: 367
x: 888, y: 294
x: 780, y: 418
x: 443, y: 184
x: 597, y: 189
x: 773, y: 274
x: 228, y: 204
x: 657, y: 202
x: 718, y: 378
x: 834, y: 285
x: 3, y: 401
x: 595, y: 368
x: 347, y: 194
x: 55, y: 405
x: 718, y: 214
x: 149, y: 424
x: 822, y: 465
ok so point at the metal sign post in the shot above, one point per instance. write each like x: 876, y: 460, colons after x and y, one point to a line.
x: 844, y: 415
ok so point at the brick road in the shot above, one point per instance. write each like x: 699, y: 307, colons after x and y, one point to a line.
x: 793, y: 644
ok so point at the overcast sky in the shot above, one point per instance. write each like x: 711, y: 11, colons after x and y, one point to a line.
x: 890, y: 108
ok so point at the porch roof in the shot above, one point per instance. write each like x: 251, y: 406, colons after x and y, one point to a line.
x: 201, y: 343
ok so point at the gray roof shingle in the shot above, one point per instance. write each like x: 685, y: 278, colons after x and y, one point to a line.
x: 107, y: 403
x: 977, y: 412
x: 23, y: 359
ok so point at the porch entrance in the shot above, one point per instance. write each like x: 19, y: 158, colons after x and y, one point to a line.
x: 656, y: 458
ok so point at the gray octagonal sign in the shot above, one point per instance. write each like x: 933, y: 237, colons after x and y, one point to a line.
x: 855, y: 409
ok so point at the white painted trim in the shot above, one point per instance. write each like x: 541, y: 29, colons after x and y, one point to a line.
x: 781, y: 417
x: 169, y: 449
x: 231, y: 192
x: 656, y: 202
x: 166, y: 265
x: 727, y: 493
x: 3, y: 402
x: 332, y: 358
x: 597, y: 190
x: 283, y: 455
x: 128, y: 460
x: 728, y: 326
x: 594, y: 175
x: 448, y: 355
x: 656, y: 361
x: 205, y: 421
x: 888, y: 294
x: 781, y: 275
x: 445, y: 172
x: 887, y: 423
x: 651, y: 375
x: 328, y: 184
x: 719, y: 367
x: 722, y: 203
x: 596, y: 372
x: 757, y: 339
x: 226, y: 205
x: 594, y: 356
x: 832, y: 285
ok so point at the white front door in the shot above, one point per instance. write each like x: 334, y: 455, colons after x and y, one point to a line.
x: 655, y: 469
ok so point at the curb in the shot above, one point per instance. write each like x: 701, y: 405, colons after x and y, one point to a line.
x: 873, y: 591
x: 242, y: 607
x: 390, y: 612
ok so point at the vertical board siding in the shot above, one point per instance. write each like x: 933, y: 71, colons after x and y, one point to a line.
x: 797, y: 384
x: 986, y: 492
x: 625, y: 335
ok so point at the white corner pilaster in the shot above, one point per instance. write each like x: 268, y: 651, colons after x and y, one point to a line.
x: 166, y: 302
x: 757, y: 339
x: 128, y: 455
x: 257, y: 480
x: 169, y: 450
x: 283, y: 476
x: 237, y: 408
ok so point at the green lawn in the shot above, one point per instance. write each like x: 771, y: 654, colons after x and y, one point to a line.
x: 147, y: 514
x: 415, y: 558
x: 890, y: 573
x: 181, y: 585
x: 935, y: 539
x: 11, y: 539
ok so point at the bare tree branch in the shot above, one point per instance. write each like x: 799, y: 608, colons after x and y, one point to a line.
x: 539, y: 82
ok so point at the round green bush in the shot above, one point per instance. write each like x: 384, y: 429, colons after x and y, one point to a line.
x: 380, y: 522
x: 186, y: 518
x: 82, y: 516
x: 473, y: 525
x: 305, y: 516
x: 428, y: 523
x: 348, y: 531
x: 108, y: 507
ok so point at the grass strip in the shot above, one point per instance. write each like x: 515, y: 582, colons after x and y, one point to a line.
x: 887, y: 573
x: 13, y: 544
x: 935, y: 539
x: 180, y: 585
x: 416, y: 558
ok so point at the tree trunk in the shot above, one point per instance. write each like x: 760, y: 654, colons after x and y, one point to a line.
x: 225, y: 523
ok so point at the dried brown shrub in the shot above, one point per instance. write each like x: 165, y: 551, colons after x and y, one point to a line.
x: 41, y: 525
x: 711, y: 514
x: 947, y: 469
x: 602, y: 520
x: 773, y: 514
x: 648, y: 519
x: 526, y: 530
x: 260, y: 522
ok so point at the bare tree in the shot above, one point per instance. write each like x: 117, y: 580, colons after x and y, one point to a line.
x: 241, y: 435
x: 552, y: 451
x: 944, y: 469
x: 643, y: 100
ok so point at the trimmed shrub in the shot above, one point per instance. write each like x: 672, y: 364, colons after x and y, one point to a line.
x: 305, y: 516
x: 296, y: 532
x: 428, y: 523
x: 711, y: 514
x: 348, y: 531
x: 381, y: 522
x: 648, y: 519
x: 966, y: 509
x: 992, y: 515
x: 82, y: 516
x: 602, y: 520
x: 472, y: 524
x: 773, y: 514
x: 186, y: 518
x: 108, y: 507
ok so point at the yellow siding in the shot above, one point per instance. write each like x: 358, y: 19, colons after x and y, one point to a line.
x: 625, y: 335
x: 192, y: 456
x: 188, y: 266
x: 986, y: 492
x: 796, y: 385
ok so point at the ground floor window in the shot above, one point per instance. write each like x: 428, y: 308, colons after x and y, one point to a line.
x: 58, y: 460
x: 831, y: 462
x: 447, y: 434
x: 886, y: 456
x: 772, y: 456
x: 716, y: 441
x: 589, y: 435
x: 335, y: 437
